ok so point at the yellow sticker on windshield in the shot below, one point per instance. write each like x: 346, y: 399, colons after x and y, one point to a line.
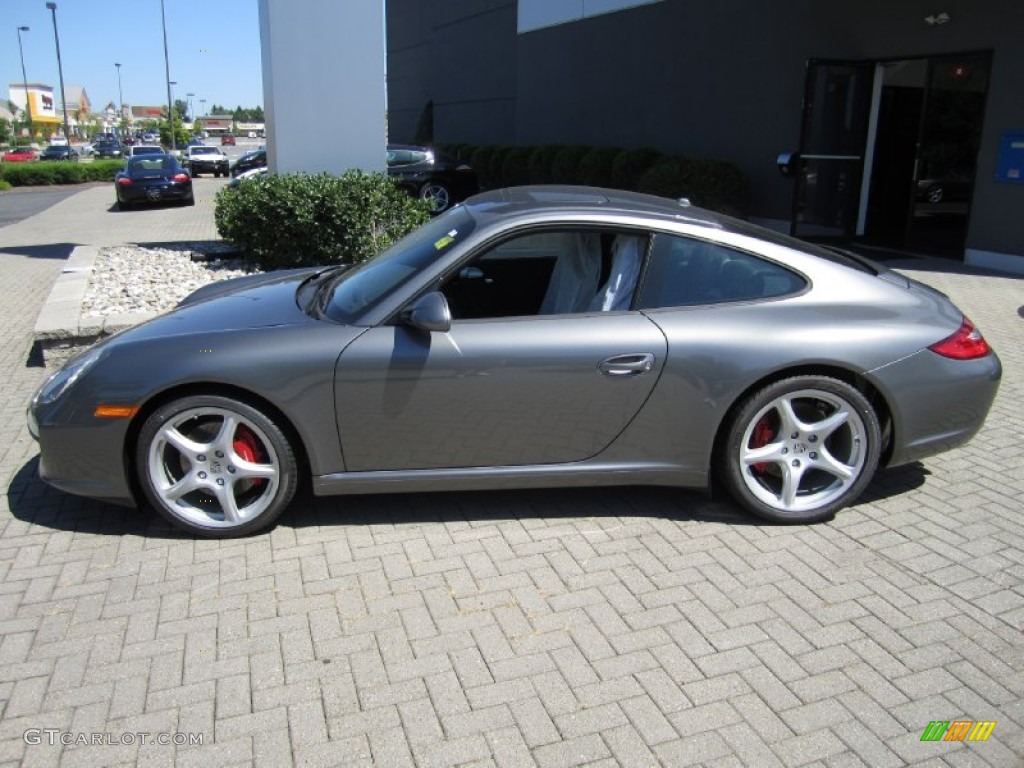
x: 443, y: 242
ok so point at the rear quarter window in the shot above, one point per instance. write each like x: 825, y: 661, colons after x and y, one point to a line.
x: 685, y: 271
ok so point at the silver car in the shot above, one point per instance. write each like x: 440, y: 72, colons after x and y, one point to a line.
x: 531, y: 337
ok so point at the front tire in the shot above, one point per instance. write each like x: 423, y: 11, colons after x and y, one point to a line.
x: 215, y: 466
x: 801, y: 449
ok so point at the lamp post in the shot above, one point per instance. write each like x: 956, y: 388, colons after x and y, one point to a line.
x: 167, y: 73
x: 170, y: 115
x: 188, y: 102
x: 24, y: 80
x: 120, y: 96
x: 60, y: 72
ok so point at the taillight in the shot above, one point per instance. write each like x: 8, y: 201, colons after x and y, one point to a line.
x: 180, y: 177
x: 966, y: 344
x: 124, y: 181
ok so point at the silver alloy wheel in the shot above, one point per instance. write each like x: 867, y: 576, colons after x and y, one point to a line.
x: 438, y: 196
x: 198, y: 474
x: 816, y: 450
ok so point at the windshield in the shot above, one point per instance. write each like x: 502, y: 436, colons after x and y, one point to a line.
x: 357, y: 290
x: 205, y: 151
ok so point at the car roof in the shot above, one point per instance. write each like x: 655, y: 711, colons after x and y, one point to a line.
x: 574, y: 200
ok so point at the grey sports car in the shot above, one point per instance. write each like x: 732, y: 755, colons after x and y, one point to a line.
x: 531, y: 337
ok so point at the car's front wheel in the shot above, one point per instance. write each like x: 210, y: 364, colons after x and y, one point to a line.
x: 801, y: 449
x: 215, y: 466
x: 437, y: 195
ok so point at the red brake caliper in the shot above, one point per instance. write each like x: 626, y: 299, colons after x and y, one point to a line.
x: 761, y: 437
x: 247, y: 446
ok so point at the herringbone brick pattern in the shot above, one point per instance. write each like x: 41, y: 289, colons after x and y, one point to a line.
x: 601, y: 628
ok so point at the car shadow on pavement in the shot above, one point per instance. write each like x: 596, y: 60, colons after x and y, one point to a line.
x: 51, y: 251
x: 33, y: 501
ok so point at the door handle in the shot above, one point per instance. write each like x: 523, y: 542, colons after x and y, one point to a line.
x: 626, y: 365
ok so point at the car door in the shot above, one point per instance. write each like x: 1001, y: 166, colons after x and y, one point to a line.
x: 511, y: 390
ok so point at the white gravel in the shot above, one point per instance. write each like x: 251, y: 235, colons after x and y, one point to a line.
x: 132, y: 279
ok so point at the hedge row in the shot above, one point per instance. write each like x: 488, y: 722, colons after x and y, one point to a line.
x: 713, y: 184
x: 50, y: 172
x: 298, y: 219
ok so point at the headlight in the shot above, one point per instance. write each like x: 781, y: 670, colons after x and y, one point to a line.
x: 62, y: 380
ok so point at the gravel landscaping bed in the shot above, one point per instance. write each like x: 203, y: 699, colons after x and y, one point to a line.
x: 134, y: 279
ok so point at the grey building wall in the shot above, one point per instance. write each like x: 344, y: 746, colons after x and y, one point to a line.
x: 713, y: 78
x: 461, y: 55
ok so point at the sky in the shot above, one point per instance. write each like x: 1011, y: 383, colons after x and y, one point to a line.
x: 213, y: 47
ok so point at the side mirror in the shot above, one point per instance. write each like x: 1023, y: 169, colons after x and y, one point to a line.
x: 429, y: 313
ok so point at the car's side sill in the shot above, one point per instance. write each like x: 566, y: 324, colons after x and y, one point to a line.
x: 492, y: 478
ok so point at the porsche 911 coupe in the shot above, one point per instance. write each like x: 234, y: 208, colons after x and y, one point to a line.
x: 152, y: 178
x: 531, y: 337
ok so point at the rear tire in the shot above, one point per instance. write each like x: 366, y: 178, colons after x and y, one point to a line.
x: 123, y: 206
x: 800, y: 449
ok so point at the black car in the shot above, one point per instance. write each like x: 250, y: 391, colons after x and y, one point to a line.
x: 107, y: 148
x: 434, y: 177
x: 153, y: 179
x: 58, y: 152
x: 257, y: 158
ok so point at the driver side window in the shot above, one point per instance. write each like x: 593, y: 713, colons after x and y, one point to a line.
x: 552, y: 272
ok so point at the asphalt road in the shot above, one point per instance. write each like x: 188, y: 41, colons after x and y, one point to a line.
x: 22, y: 202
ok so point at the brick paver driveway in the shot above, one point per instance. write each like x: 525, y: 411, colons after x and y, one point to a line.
x: 626, y: 627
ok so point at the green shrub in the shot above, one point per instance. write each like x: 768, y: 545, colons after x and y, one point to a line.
x: 496, y: 166
x: 4, y: 185
x: 481, y: 162
x: 540, y: 163
x: 565, y: 167
x: 712, y: 184
x: 629, y: 166
x: 515, y: 170
x: 304, y: 220
x: 596, y: 166
x: 47, y: 173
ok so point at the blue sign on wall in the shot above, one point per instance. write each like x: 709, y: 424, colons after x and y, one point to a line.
x: 1011, y: 158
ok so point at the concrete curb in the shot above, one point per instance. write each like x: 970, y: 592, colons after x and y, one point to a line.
x: 60, y: 323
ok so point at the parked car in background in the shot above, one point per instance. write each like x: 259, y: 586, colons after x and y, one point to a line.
x: 59, y: 152
x: 58, y: 141
x: 257, y: 158
x: 252, y: 173
x: 202, y: 159
x: 144, y: 149
x: 108, y: 148
x: 19, y: 155
x: 149, y: 137
x: 152, y: 179
x: 533, y: 337
x: 227, y: 140
x: 436, y: 178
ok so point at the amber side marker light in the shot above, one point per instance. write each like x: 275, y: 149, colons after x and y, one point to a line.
x: 115, y: 411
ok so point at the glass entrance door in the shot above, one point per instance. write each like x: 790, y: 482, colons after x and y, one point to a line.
x: 837, y: 101
x: 947, y: 153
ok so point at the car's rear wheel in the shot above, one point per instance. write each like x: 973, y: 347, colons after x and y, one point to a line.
x: 437, y: 195
x: 215, y: 466
x: 123, y: 205
x: 801, y: 449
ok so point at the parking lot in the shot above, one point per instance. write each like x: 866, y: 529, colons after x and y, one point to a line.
x: 589, y: 627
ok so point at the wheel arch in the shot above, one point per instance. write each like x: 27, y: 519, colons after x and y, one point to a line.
x: 874, y: 396
x: 209, y: 388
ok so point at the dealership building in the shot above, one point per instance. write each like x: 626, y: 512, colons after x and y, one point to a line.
x: 896, y: 125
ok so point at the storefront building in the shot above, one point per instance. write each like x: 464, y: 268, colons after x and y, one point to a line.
x: 904, y: 122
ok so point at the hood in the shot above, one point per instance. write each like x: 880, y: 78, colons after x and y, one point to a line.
x: 253, y: 301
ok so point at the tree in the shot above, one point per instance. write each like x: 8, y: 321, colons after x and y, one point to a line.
x: 181, y: 110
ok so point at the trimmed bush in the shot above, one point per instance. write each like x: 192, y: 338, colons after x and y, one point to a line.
x: 306, y: 220
x: 540, y: 163
x: 628, y: 167
x: 4, y: 185
x: 46, y: 173
x: 481, y: 162
x: 596, y: 166
x: 712, y: 184
x: 566, y: 165
x: 515, y: 170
